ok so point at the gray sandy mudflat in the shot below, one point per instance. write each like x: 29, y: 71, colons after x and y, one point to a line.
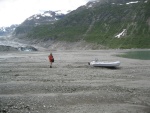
x: 28, y: 85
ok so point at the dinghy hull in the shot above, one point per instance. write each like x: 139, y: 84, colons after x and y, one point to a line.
x: 104, y: 64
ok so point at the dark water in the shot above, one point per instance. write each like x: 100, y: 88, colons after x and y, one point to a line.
x: 142, y: 55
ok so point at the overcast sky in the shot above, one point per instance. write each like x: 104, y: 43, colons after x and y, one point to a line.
x: 16, y: 11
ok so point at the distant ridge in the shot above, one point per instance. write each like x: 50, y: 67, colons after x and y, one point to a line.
x: 4, y: 31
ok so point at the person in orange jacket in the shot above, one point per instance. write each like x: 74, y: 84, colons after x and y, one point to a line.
x: 51, y: 59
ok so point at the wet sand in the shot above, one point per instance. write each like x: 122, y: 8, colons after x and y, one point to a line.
x: 28, y: 85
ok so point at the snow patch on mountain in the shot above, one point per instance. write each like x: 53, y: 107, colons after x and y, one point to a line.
x: 123, y: 33
x: 146, y: 1
x: 7, y: 30
x: 132, y: 2
x: 50, y: 14
x: 91, y: 4
x: 47, y: 15
x: 3, y: 29
x: 128, y: 3
x: 60, y: 12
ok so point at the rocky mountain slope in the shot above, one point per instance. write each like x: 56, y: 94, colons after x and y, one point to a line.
x: 7, y: 30
x: 46, y: 18
x: 110, y: 23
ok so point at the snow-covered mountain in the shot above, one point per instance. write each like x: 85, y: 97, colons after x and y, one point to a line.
x: 44, y: 18
x: 7, y: 30
x: 47, y: 17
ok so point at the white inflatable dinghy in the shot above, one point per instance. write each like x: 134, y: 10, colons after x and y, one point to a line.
x: 104, y: 63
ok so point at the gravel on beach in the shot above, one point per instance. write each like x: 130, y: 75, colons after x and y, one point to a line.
x: 28, y: 85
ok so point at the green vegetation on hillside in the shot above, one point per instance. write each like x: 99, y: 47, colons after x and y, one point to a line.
x: 100, y: 25
x: 133, y: 18
x: 71, y: 28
